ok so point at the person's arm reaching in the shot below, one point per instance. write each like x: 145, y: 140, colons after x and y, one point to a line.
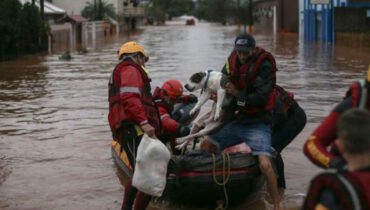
x: 315, y: 147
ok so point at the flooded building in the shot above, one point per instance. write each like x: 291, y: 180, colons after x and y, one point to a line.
x: 130, y: 15
x: 74, y: 32
x: 78, y: 27
x: 336, y: 21
x: 276, y: 15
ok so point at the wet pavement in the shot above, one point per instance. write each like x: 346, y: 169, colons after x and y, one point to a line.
x: 54, y: 134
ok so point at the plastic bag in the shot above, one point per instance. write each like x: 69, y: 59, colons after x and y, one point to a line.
x: 151, y: 166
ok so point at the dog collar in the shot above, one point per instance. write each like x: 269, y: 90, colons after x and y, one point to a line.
x: 206, y: 83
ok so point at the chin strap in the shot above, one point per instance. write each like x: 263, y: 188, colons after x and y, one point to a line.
x: 206, y: 83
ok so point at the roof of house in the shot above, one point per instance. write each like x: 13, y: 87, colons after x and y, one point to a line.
x: 73, y: 18
x: 48, y: 7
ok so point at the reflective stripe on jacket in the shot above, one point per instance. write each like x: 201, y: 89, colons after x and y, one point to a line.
x: 316, y: 147
x: 130, y: 98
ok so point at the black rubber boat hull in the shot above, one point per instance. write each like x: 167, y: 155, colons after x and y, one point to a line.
x: 199, y: 187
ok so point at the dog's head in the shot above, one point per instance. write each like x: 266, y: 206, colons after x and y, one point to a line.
x: 196, y: 81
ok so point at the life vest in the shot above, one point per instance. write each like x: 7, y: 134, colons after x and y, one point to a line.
x: 360, y: 94
x: 243, y: 77
x: 352, y: 189
x: 117, y: 116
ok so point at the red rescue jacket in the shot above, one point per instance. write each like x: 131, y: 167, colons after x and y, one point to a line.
x: 315, y: 147
x: 351, y: 189
x: 130, y: 98
x: 244, y: 76
x: 169, y: 125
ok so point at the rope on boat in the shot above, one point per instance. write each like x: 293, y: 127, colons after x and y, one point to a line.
x: 225, y: 177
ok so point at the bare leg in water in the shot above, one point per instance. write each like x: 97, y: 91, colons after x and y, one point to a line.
x: 266, y: 169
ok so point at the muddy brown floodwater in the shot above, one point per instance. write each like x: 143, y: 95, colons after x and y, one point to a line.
x: 54, y: 135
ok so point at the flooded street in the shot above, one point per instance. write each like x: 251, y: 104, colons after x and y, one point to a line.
x: 54, y: 135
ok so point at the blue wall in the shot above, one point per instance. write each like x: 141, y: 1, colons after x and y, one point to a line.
x: 311, y: 14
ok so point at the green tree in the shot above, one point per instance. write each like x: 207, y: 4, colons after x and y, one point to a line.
x: 179, y: 7
x: 160, y: 10
x: 214, y: 10
x: 157, y: 10
x: 9, y: 27
x: 21, y: 29
x: 32, y: 30
x: 98, y: 11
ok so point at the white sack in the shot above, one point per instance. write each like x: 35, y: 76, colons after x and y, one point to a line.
x: 151, y: 166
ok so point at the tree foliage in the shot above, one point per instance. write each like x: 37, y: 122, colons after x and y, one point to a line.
x: 215, y: 10
x: 21, y: 29
x: 32, y: 29
x: 160, y: 10
x: 179, y: 7
x: 223, y: 10
x: 98, y: 11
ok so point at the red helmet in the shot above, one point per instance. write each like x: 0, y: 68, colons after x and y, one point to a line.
x: 173, y: 88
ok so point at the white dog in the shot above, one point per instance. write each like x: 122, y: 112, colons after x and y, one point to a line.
x: 210, y: 83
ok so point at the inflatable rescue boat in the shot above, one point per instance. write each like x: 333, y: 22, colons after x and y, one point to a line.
x: 198, y: 178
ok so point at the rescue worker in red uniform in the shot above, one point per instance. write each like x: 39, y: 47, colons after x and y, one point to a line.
x: 165, y: 98
x: 346, y: 189
x: 252, y: 77
x: 132, y: 111
x: 318, y: 148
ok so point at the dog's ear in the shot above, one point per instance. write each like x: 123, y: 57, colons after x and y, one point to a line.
x: 196, y: 78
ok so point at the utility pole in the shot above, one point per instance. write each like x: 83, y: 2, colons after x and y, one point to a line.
x: 42, y: 9
x: 128, y: 19
x: 282, y: 26
x: 250, y: 29
x: 94, y: 9
x: 42, y: 19
x: 33, y: 2
x: 100, y: 15
x: 238, y: 12
x: 98, y: 10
